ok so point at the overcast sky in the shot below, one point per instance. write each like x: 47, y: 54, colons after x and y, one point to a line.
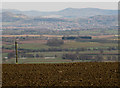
x: 55, y: 6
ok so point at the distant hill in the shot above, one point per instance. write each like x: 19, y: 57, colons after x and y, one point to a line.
x: 99, y: 21
x: 10, y: 17
x: 105, y: 19
x: 68, y: 12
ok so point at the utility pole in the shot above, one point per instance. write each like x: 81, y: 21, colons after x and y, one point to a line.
x: 16, y: 52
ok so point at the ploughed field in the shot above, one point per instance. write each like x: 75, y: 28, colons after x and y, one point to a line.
x: 62, y: 74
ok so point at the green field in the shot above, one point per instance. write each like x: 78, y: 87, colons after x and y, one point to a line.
x: 88, y: 47
x: 71, y: 44
x: 41, y: 60
x: 59, y: 54
x: 38, y: 60
x: 33, y: 46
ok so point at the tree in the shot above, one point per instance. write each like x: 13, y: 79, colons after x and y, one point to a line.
x: 70, y: 56
x: 10, y: 55
x: 37, y: 55
x: 99, y: 58
x: 101, y: 52
x: 55, y: 42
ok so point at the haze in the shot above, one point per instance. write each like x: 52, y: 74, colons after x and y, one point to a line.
x: 55, y: 6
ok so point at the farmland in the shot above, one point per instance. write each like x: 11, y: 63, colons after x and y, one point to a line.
x: 40, y: 37
x: 64, y: 74
x: 71, y: 47
x: 32, y: 47
x: 70, y: 44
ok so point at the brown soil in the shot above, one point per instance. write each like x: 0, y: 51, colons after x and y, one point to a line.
x: 71, y: 74
x: 31, y: 35
x: 103, y: 36
x: 7, y: 51
x: 5, y: 42
x: 33, y: 41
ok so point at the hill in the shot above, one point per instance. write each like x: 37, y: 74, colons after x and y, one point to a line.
x: 97, y: 21
x: 11, y: 17
x: 68, y: 12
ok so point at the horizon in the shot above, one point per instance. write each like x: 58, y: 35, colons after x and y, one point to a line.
x: 55, y: 6
x: 58, y: 10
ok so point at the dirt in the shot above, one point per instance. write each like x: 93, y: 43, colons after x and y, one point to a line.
x: 31, y: 35
x: 33, y: 41
x: 103, y: 36
x: 7, y: 51
x: 69, y: 74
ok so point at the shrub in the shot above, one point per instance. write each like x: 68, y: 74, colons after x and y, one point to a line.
x: 55, y: 42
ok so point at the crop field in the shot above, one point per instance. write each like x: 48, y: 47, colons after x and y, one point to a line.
x: 37, y: 45
x: 103, y: 36
x: 37, y: 60
x: 69, y: 47
x: 101, y: 74
x: 71, y: 44
x: 33, y: 41
x: 31, y: 35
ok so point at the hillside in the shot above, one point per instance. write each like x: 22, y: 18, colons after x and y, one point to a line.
x: 11, y: 17
x: 97, y: 21
x: 68, y: 12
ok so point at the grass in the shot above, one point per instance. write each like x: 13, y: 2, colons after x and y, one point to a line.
x: 41, y: 60
x: 33, y: 46
x: 4, y: 54
x: 72, y: 44
x: 7, y: 46
x: 59, y: 54
x: 48, y: 54
x: 97, y: 32
x: 37, y: 60
x: 66, y: 45
x: 86, y: 44
x: 44, y: 62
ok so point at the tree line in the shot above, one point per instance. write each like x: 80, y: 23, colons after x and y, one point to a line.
x: 70, y: 56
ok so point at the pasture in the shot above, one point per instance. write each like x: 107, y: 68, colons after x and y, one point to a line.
x: 32, y: 43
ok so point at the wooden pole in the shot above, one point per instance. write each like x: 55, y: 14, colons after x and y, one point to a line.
x: 16, y: 52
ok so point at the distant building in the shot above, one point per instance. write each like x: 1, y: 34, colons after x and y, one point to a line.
x: 5, y: 57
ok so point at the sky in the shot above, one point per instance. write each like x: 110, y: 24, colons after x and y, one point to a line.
x: 56, y: 6
x: 60, y: 0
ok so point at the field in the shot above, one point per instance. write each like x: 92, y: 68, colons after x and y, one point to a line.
x: 99, y: 36
x: 37, y: 45
x: 70, y: 47
x: 31, y: 35
x: 66, y: 74
x: 37, y: 60
x: 71, y: 44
